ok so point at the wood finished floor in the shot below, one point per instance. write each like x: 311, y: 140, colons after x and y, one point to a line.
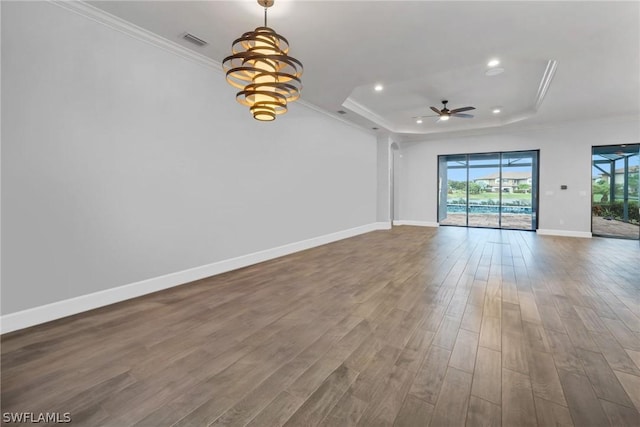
x: 409, y: 327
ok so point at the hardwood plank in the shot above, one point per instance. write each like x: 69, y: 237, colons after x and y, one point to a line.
x: 566, y: 306
x: 313, y: 377
x: 414, y: 412
x: 631, y: 320
x: 447, y: 332
x: 318, y: 405
x: 514, y: 351
x: 518, y: 408
x: 552, y: 414
x: 602, y: 378
x: 616, y: 356
x: 493, y: 302
x: 415, y: 351
x: 625, y: 337
x: 451, y: 408
x: 395, y: 311
x: 579, y: 335
x: 346, y: 412
x: 601, y: 308
x: 472, y: 319
x: 590, y: 319
x: 620, y: 416
x: 529, y: 308
x: 635, y: 356
x: 550, y: 318
x: 277, y: 412
x: 463, y: 356
x: 564, y: 354
x: 487, y: 376
x: 370, y: 382
x: 536, y: 337
x: 491, y: 333
x: 429, y: 378
x: 477, y: 294
x: 582, y: 401
x: 631, y: 385
x: 511, y: 317
x: 483, y: 413
x: 383, y: 410
x: 544, y: 378
x: 434, y: 317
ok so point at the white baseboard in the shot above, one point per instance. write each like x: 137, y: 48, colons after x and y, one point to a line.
x: 564, y: 233
x: 416, y: 223
x: 383, y: 225
x: 46, y: 313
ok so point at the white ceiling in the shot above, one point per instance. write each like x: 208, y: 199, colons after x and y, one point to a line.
x: 426, y: 51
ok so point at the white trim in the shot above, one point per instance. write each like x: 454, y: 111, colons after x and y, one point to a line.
x: 383, y: 225
x: 46, y: 313
x: 513, y: 130
x: 305, y: 103
x: 416, y: 223
x: 564, y: 233
x: 363, y: 111
x: 118, y: 24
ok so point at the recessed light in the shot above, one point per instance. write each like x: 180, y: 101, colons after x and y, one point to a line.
x: 378, y: 88
x: 496, y: 111
x: 494, y: 71
x: 493, y: 63
x: 419, y: 121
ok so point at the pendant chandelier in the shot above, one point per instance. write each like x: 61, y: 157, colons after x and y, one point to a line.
x: 268, y: 78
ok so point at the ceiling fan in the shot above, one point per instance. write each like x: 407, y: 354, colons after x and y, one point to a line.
x: 445, y: 113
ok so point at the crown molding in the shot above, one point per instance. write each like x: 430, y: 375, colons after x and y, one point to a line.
x: 360, y: 109
x: 125, y: 27
x: 320, y: 110
x: 513, y: 129
x: 139, y: 33
x: 402, y: 134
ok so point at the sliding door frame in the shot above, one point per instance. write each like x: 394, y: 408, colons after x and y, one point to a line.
x: 535, y: 188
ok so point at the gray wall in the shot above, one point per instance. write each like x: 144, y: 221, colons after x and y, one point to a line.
x: 565, y: 158
x: 383, y: 143
x: 122, y: 162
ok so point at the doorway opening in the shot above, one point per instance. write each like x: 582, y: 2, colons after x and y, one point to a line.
x: 494, y: 190
x: 615, y: 206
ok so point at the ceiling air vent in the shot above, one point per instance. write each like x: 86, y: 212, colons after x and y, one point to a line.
x: 195, y: 40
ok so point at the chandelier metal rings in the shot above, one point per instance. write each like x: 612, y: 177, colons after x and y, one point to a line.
x: 268, y: 78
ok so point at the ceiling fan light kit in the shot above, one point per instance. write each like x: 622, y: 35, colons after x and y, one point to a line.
x: 260, y: 66
x: 445, y: 114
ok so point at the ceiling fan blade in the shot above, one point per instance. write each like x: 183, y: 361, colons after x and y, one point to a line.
x: 424, y: 117
x: 463, y: 116
x: 435, y: 110
x: 460, y: 110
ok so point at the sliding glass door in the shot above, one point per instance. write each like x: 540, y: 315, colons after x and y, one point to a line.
x: 520, y: 190
x: 483, y: 209
x: 615, y: 188
x: 495, y: 190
